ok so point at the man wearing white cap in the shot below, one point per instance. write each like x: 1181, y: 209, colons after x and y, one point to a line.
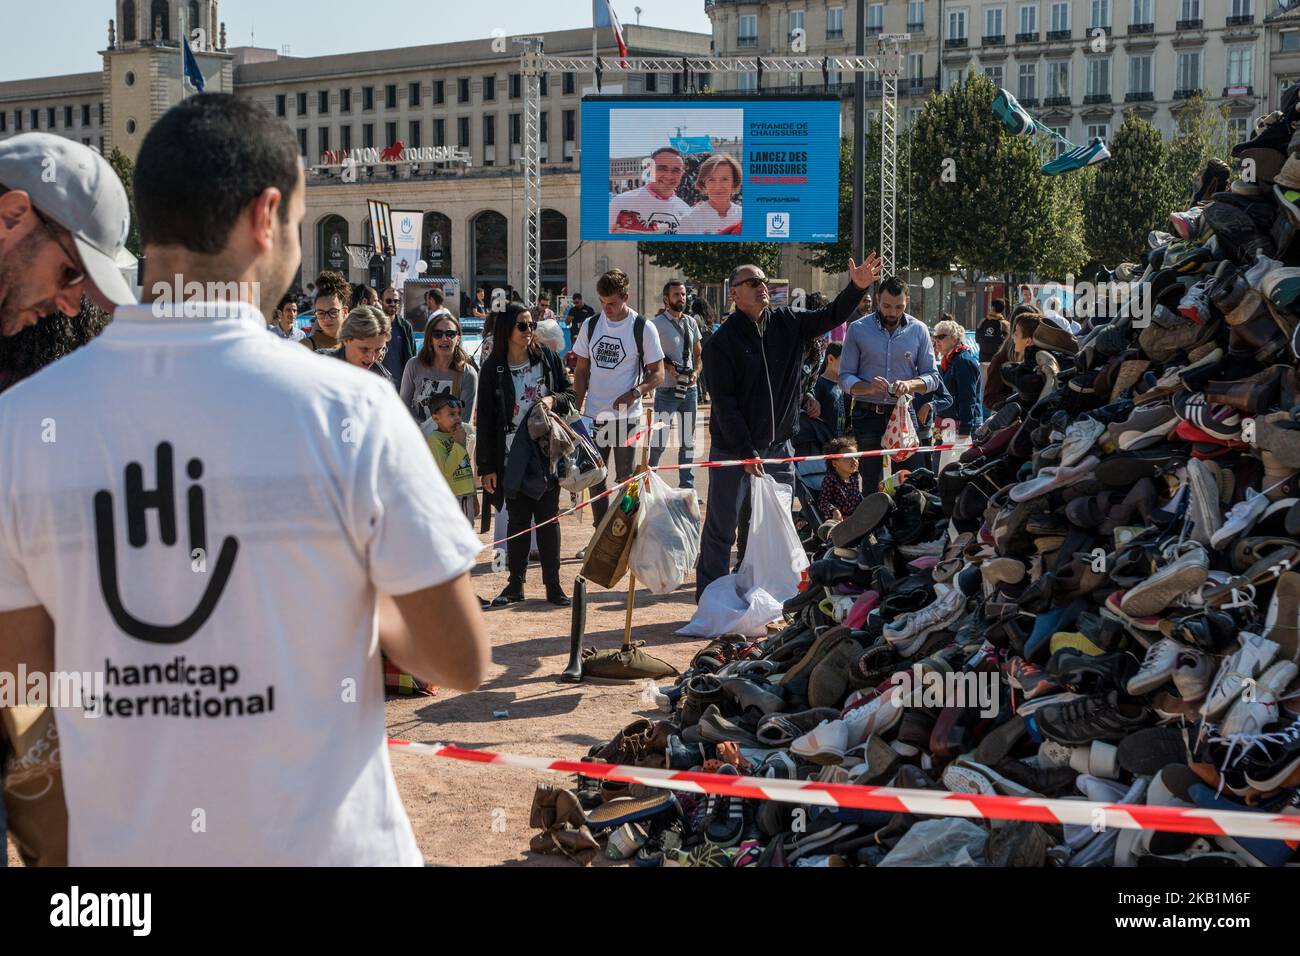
x: 64, y: 219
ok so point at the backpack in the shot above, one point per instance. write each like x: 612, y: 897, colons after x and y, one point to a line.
x: 638, y: 333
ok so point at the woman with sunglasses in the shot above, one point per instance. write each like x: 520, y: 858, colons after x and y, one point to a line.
x: 441, y: 365
x: 517, y: 374
x: 960, y: 369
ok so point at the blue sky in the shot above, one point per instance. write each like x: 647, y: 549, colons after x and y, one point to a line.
x: 35, y: 46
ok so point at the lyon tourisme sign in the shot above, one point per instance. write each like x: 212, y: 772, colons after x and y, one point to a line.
x: 394, y: 154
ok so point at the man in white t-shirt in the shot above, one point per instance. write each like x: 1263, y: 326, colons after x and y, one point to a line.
x: 654, y: 207
x: 230, y: 574
x: 614, y: 373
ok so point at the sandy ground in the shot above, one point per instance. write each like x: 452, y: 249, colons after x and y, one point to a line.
x: 467, y: 814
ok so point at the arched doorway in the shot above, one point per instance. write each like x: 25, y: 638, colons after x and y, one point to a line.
x: 331, y: 244
x: 554, y: 251
x: 490, y: 245
x: 437, y: 243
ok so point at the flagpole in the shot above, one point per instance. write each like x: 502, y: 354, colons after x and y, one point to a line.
x: 181, y: 50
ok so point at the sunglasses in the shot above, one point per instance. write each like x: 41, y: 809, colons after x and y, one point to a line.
x: 390, y: 302
x: 941, y: 336
x: 526, y: 326
x: 754, y: 282
x: 72, y: 272
x: 443, y: 334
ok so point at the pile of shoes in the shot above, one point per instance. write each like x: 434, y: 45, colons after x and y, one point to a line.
x: 1097, y: 601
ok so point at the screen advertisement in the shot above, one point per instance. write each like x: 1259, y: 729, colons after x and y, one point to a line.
x: 711, y: 169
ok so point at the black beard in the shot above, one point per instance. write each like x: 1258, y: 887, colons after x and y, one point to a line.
x: 50, y: 339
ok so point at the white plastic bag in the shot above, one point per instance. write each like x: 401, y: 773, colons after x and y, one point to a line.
x: 747, y: 601
x: 667, y: 541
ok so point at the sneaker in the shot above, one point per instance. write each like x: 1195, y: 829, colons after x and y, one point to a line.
x: 824, y: 744
x: 1080, y: 436
x: 1274, y: 760
x: 870, y: 513
x: 1106, y: 717
x: 1015, y: 118
x: 908, y: 632
x: 1148, y: 425
x: 1184, y: 573
x: 1077, y: 158
x: 1157, y: 667
x: 1187, y: 224
x: 1240, y: 518
x: 1203, y: 509
x: 965, y: 775
x: 1253, y: 711
x: 1195, y: 305
x: 1193, y: 673
x: 1246, y: 664
x: 1283, y: 621
x: 878, y: 715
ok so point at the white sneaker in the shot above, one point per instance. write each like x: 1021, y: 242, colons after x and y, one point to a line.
x: 1247, y: 663
x: 1080, y: 436
x: 1052, y: 755
x: 1257, y: 707
x: 1241, y: 518
x: 1185, y: 573
x: 924, y: 549
x: 909, y: 632
x: 1193, y: 673
x: 1157, y: 667
x: 1203, y: 509
x: 824, y: 744
x: 875, y: 716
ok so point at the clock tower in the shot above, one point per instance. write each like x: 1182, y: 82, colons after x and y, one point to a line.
x: 143, y: 73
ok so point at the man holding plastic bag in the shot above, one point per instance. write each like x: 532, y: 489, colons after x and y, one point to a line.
x: 755, y: 365
x: 887, y: 356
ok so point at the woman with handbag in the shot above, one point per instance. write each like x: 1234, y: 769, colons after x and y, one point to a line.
x: 517, y: 374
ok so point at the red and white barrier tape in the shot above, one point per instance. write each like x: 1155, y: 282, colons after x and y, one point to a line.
x: 1123, y: 816
x: 873, y: 453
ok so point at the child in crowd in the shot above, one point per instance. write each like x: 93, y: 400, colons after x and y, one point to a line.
x: 448, y: 442
x: 841, y: 491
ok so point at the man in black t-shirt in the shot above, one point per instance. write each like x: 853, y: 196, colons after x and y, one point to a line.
x: 992, y: 332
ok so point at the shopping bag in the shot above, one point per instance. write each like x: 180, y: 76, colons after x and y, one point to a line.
x: 583, y: 467
x: 611, y: 543
x: 901, y: 430
x: 747, y: 601
x: 667, y: 540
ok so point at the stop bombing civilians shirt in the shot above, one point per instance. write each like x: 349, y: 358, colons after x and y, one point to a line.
x: 207, y: 512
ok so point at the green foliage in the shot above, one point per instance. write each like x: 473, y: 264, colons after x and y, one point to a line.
x: 703, y: 262
x: 125, y: 169
x: 1202, y: 134
x: 1128, y: 196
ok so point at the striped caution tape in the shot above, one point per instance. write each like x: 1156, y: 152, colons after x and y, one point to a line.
x: 873, y: 453
x: 938, y: 803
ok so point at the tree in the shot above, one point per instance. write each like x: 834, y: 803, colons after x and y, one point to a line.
x: 1127, y: 197
x: 979, y: 200
x: 1202, y: 134
x: 125, y: 169
x: 704, y: 262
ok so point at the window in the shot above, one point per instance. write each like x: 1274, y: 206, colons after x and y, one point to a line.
x: 566, y: 87
x: 323, y: 139
x: 1064, y: 133
x: 413, y: 134
x: 1189, y: 71
x: 462, y: 89
x: 489, y: 88
x: 1139, y: 74
x: 795, y: 22
x: 834, y: 23
x: 439, y: 92
x: 85, y: 114
x: 747, y: 33
x: 439, y: 132
x: 1058, y: 79
x: 4, y: 122
x: 1241, y: 66
x: 747, y: 81
x: 544, y: 129
x: 1027, y: 87
x: 1191, y: 10
x: 952, y: 77
x: 1099, y: 13
x: 515, y: 127
x: 516, y: 86
x: 1290, y: 40
x: 345, y: 138
x: 345, y: 101
x: 67, y: 117
x: 368, y: 135
x: 956, y: 25
x: 1029, y: 18
x: 490, y: 129
x: 993, y: 21
x: 1239, y: 128
x: 302, y: 104
x: 545, y: 83
x: 390, y: 96
x: 915, y: 14
x: 49, y: 117
x: 390, y: 134
x: 652, y: 82
x: 101, y: 114
x: 1099, y: 77
x: 916, y: 66
x: 876, y: 18
x: 323, y: 102
x: 413, y: 95
x: 1141, y: 12
x: 302, y: 142
x: 462, y: 132
x: 1242, y: 8
x: 1099, y: 131
x: 367, y: 97
x: 994, y: 73
x: 1060, y: 16
x: 18, y: 121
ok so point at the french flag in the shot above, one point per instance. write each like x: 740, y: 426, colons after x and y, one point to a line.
x: 603, y: 14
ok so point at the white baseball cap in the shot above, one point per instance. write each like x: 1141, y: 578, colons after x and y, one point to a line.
x: 75, y: 186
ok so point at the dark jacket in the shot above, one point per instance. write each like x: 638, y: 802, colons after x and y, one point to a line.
x: 377, y: 368
x: 496, y: 401
x: 962, y: 380
x: 755, y: 380
x: 401, y: 348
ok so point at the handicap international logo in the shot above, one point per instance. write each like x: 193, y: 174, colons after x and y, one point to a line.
x: 778, y: 225
x: 406, y: 226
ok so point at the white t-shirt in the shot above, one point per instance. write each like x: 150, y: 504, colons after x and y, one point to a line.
x: 530, y: 388
x: 652, y: 213
x: 703, y: 218
x: 612, y: 352
x: 314, y: 490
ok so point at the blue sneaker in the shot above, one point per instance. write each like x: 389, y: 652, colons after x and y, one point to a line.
x: 1014, y: 117
x: 1077, y: 158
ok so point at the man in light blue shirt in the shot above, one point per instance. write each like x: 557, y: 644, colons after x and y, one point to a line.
x: 887, y: 353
